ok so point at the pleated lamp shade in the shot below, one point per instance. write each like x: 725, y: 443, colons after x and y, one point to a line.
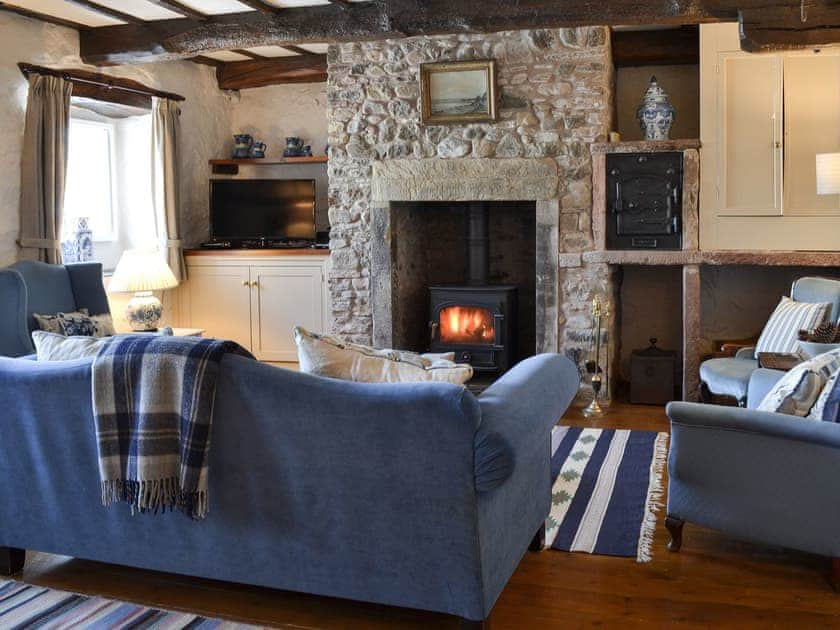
x: 141, y: 270
x: 828, y: 173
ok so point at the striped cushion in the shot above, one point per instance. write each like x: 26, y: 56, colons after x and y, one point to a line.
x: 780, y: 332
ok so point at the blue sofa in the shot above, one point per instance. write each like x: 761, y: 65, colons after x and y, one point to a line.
x: 754, y: 475
x: 414, y: 495
x: 34, y: 287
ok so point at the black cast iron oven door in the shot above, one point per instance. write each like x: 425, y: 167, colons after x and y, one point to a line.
x: 644, y: 200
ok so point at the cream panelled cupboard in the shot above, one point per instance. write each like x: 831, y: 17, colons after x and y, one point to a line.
x: 763, y: 119
x: 256, y: 300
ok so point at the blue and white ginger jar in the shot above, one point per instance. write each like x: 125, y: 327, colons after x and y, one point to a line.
x: 655, y: 114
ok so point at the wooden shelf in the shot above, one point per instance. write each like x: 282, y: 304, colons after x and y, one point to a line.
x: 714, y: 257
x: 231, y: 166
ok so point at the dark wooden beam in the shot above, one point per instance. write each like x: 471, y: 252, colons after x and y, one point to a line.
x: 784, y: 28
x: 259, y: 5
x: 383, y: 19
x: 240, y: 75
x: 180, y: 8
x: 678, y: 46
x: 206, y: 61
x: 95, y: 7
x: 247, y: 53
x: 298, y: 50
x: 50, y: 19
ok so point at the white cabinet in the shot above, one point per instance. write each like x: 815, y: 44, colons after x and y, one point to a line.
x: 256, y: 300
x: 763, y: 120
x: 749, y: 121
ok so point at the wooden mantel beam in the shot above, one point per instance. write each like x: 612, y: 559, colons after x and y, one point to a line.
x: 383, y: 19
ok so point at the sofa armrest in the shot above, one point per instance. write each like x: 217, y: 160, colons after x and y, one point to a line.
x: 524, y: 405
x: 745, y: 353
x: 761, y: 382
x: 725, y: 420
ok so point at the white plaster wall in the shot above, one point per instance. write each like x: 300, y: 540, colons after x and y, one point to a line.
x: 272, y: 113
x: 205, y: 119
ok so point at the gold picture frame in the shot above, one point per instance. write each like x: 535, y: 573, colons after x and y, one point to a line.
x: 458, y: 92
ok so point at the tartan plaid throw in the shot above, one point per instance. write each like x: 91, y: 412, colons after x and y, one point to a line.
x: 153, y: 402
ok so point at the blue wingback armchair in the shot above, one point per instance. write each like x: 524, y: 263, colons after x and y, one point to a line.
x: 29, y: 287
x: 731, y: 376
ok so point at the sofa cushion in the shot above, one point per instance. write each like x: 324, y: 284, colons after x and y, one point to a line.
x: 328, y: 356
x: 800, y: 388
x: 52, y: 323
x: 780, y: 334
x: 78, y: 323
x: 53, y: 347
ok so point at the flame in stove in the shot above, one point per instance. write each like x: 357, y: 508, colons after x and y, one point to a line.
x: 466, y: 324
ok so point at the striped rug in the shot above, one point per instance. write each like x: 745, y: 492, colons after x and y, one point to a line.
x: 25, y: 606
x: 607, y: 490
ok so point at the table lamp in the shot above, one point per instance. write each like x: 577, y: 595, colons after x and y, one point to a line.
x: 141, y: 271
x: 828, y: 173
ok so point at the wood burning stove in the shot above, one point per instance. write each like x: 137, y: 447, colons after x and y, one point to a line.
x: 476, y: 320
x: 644, y: 200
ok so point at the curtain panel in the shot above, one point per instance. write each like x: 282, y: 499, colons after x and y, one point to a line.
x: 44, y: 167
x: 166, y: 181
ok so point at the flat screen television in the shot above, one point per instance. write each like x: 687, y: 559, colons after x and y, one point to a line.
x: 243, y: 209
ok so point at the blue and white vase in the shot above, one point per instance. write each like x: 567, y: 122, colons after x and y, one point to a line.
x: 79, y: 247
x: 655, y: 114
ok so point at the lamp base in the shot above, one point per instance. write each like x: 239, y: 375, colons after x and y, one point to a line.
x: 144, y: 311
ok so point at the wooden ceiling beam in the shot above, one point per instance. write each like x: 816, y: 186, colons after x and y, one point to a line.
x: 384, y: 19
x: 247, y: 53
x: 784, y: 28
x: 108, y: 12
x: 35, y: 15
x: 298, y: 50
x: 677, y: 46
x: 259, y: 5
x: 240, y: 75
x: 180, y: 8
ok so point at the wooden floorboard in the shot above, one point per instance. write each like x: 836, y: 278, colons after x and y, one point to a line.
x: 713, y: 582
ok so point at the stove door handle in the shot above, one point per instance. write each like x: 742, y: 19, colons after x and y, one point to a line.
x: 498, y: 327
x: 433, y: 328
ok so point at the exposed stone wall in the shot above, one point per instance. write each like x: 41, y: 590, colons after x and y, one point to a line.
x: 555, y: 101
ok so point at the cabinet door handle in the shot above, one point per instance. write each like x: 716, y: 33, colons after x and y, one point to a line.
x: 245, y: 283
x: 255, y: 284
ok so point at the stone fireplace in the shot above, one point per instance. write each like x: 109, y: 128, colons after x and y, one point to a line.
x: 388, y: 172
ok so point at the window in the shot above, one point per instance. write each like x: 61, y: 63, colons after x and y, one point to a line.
x: 90, y: 189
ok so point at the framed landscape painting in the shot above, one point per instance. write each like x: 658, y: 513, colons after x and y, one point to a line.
x: 458, y: 92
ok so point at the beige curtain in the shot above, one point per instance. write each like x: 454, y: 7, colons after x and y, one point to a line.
x: 166, y: 180
x: 44, y: 167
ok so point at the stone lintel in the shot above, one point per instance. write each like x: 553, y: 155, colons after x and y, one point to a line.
x: 468, y: 179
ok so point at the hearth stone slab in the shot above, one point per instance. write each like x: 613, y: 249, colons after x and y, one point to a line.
x: 463, y: 180
x: 644, y: 146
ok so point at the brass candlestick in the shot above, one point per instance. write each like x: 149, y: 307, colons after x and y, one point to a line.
x: 594, y: 409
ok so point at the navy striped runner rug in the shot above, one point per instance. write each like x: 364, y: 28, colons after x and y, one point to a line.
x: 26, y: 606
x: 606, y: 492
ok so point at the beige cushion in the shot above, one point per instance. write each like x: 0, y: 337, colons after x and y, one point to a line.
x: 52, y: 347
x: 331, y: 357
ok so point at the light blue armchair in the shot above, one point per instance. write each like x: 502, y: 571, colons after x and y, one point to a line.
x: 34, y: 287
x: 731, y: 376
x: 754, y: 475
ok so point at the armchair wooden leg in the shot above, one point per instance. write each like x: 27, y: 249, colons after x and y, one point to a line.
x: 538, y: 542
x: 705, y: 393
x: 834, y: 578
x: 11, y: 560
x: 674, y: 526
